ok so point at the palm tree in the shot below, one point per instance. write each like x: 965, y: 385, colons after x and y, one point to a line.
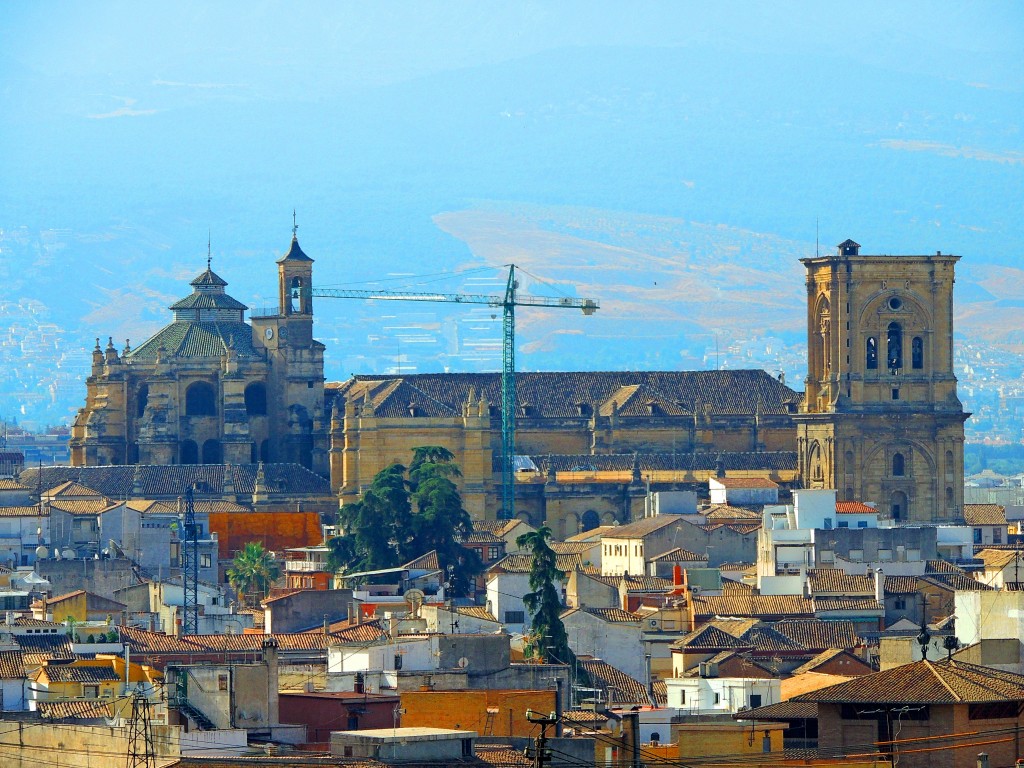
x: 252, y: 572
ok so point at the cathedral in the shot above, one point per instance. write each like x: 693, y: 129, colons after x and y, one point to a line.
x: 210, y: 388
x: 879, y: 419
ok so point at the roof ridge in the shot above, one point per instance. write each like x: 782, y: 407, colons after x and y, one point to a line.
x: 934, y: 671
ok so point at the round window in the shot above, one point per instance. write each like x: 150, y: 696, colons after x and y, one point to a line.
x: 895, y: 302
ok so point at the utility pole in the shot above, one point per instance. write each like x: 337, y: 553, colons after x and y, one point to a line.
x: 140, y: 728
x: 541, y: 753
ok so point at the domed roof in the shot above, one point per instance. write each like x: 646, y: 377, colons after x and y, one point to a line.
x: 209, y: 277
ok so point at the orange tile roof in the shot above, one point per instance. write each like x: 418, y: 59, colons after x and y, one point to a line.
x: 854, y: 508
x: 837, y: 580
x: 926, y: 682
x: 984, y: 514
x: 746, y: 482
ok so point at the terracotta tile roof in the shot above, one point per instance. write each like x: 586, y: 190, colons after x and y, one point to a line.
x: 70, y: 673
x: 829, y: 603
x: 82, y: 506
x: 823, y: 658
x: 585, y: 717
x: 644, y: 527
x: 699, y: 461
x: 610, y: 615
x: 926, y: 682
x: 722, y: 512
x: 623, y: 688
x: 837, y: 580
x: 646, y: 584
x: 24, y: 512
x: 428, y: 562
x: 119, y: 481
x: 749, y: 604
x: 728, y: 634
x: 573, y: 547
x: 476, y: 612
x: 746, y: 482
x: 36, y: 649
x: 499, y: 528
x: 258, y: 616
x: 520, y: 563
x: 942, y: 566
x: 737, y: 567
x: 782, y: 712
x: 145, y: 642
x: 10, y: 484
x: 961, y: 582
x: 984, y: 514
x: 679, y: 555
x: 997, y: 559
x: 594, y: 534
x: 854, y: 508
x: 900, y: 585
x: 660, y: 692
x: 502, y: 756
x: 559, y: 395
x: 12, y: 665
x: 70, y: 489
x: 484, y: 537
x: 818, y: 634
x: 74, y: 710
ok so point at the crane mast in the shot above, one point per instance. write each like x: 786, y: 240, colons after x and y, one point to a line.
x: 508, y: 304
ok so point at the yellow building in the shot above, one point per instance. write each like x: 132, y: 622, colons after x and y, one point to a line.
x: 589, y: 444
x: 101, y: 678
x: 880, y: 420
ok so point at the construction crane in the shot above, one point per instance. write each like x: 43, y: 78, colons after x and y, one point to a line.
x: 189, y: 537
x: 508, y: 304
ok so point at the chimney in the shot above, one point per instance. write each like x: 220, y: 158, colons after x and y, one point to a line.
x: 879, y: 586
x: 270, y: 646
x: 359, y: 683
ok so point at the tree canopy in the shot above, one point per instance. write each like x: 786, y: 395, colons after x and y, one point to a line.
x: 549, y: 640
x: 252, y: 572
x: 405, y: 513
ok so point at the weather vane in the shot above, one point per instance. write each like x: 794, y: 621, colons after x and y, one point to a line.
x: 209, y: 248
x: 295, y: 226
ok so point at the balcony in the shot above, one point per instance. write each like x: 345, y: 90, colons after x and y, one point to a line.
x: 305, y: 566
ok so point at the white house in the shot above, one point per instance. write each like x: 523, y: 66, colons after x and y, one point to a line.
x: 609, y: 634
x: 507, y: 582
x: 709, y: 694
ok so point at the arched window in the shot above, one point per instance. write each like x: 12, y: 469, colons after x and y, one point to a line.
x: 871, y: 353
x: 189, y: 452
x: 894, y: 346
x: 256, y: 399
x: 899, y: 466
x: 589, y: 521
x: 211, y: 452
x: 200, y: 400
x: 141, y: 399
x: 294, y: 293
x: 917, y: 353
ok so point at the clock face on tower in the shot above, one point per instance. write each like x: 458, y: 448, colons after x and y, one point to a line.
x: 269, y: 333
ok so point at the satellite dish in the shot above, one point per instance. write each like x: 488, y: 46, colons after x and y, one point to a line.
x: 414, y: 598
x: 463, y: 663
x: 68, y: 554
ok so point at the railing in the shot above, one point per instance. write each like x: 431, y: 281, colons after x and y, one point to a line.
x: 305, y: 566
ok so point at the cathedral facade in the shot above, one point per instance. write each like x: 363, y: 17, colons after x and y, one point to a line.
x: 880, y: 419
x: 210, y: 388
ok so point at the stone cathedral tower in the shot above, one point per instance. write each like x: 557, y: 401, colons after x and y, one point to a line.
x: 880, y: 420
x: 210, y: 388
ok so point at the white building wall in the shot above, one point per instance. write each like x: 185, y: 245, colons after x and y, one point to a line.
x: 719, y: 695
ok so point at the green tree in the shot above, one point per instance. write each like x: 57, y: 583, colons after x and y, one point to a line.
x: 406, y: 513
x: 440, y: 522
x: 252, y: 572
x: 544, y: 603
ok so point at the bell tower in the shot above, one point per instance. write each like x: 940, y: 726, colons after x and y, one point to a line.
x: 880, y: 420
